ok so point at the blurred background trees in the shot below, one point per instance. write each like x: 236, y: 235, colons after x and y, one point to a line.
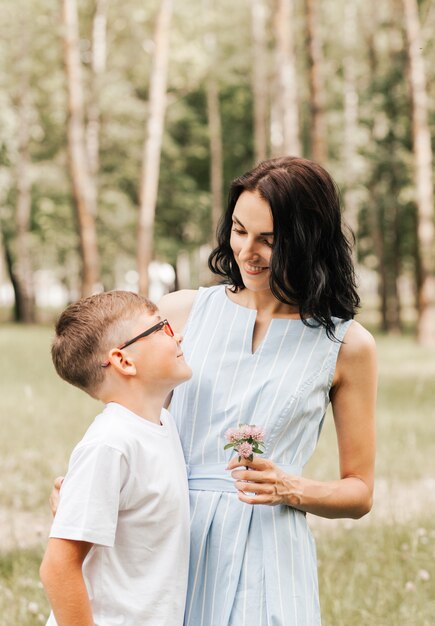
x: 90, y: 105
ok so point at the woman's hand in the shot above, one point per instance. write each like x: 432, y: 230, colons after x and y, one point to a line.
x: 265, y: 483
x: 54, y: 495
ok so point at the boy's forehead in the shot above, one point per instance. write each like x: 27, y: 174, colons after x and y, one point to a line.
x: 146, y: 319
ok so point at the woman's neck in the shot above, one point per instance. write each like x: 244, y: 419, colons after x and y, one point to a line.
x: 264, y: 302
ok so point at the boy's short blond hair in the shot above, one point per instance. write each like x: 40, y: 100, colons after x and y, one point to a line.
x: 88, y: 329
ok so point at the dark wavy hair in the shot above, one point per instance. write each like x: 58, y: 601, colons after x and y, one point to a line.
x: 311, y: 265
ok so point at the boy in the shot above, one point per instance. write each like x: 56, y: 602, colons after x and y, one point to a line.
x: 118, y: 547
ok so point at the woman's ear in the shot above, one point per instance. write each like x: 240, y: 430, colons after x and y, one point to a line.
x: 122, y: 362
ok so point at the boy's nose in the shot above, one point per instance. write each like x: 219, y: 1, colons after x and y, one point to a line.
x: 178, y: 338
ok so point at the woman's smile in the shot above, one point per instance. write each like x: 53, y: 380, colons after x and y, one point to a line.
x: 252, y: 269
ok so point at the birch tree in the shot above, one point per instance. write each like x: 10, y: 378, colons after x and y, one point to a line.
x: 16, y: 235
x: 82, y: 182
x: 153, y: 143
x: 22, y: 268
x: 98, y: 64
x: 214, y: 119
x: 386, y: 125
x: 285, y: 132
x: 259, y: 78
x: 317, y: 95
x: 423, y: 175
x: 350, y: 114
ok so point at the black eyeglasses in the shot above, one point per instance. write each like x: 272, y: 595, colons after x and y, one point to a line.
x: 163, y: 325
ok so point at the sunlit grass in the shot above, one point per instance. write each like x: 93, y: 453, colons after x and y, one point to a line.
x: 378, y: 575
x: 41, y: 417
x: 22, y: 599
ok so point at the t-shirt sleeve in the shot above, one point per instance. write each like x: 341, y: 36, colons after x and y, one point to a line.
x: 90, y: 495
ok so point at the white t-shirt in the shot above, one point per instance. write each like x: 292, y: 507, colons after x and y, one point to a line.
x: 126, y: 492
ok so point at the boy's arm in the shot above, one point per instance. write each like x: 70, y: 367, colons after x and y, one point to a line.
x: 61, y: 575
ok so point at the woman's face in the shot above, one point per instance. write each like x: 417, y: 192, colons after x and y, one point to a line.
x: 252, y: 239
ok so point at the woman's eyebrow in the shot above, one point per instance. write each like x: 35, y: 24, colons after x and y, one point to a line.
x: 240, y: 224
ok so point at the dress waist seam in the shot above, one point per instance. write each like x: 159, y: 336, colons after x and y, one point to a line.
x: 215, y: 476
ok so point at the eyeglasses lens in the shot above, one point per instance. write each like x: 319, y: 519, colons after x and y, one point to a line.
x: 168, y: 330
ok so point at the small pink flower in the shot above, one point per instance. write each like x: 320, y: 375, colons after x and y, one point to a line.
x: 246, y: 440
x: 245, y: 431
x: 257, y: 433
x: 244, y: 450
x: 232, y: 435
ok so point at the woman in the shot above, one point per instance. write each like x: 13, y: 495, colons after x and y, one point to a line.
x: 272, y: 346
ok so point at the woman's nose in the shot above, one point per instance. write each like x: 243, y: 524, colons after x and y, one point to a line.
x: 178, y: 338
x: 248, y: 248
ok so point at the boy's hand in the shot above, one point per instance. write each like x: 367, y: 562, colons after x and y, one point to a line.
x: 54, y: 495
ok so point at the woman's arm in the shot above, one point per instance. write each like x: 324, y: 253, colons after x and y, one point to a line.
x: 176, y: 307
x: 61, y: 575
x: 353, y: 398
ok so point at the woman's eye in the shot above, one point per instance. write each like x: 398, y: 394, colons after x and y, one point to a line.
x: 238, y: 231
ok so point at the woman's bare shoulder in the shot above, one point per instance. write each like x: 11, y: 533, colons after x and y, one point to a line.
x: 358, y: 340
x: 176, y: 307
x: 357, y: 353
x: 358, y: 350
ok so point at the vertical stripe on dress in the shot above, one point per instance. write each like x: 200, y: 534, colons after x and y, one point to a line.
x: 274, y: 363
x: 277, y: 392
x: 257, y: 357
x: 198, y: 392
x: 215, y: 385
x: 245, y: 511
x: 277, y: 551
x: 211, y: 509
x: 213, y: 599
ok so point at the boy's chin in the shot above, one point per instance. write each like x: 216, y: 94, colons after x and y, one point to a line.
x: 186, y: 375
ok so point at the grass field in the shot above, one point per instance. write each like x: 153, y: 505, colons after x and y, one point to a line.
x: 379, y: 571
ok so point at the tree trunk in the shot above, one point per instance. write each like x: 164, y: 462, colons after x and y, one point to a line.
x: 317, y: 96
x: 153, y: 144
x: 373, y: 208
x: 259, y: 79
x: 98, y: 68
x: 22, y: 267
x: 214, y: 122
x: 350, y: 117
x: 18, y: 295
x: 82, y: 183
x: 285, y: 136
x: 423, y: 174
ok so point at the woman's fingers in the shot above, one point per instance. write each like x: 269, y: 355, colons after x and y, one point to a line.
x: 257, y: 463
x: 263, y: 488
x: 269, y: 486
x: 251, y: 497
x: 267, y: 476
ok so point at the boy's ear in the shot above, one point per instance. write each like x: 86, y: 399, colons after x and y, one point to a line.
x: 122, y: 362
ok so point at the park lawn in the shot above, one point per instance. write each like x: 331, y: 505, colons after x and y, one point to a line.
x: 376, y: 572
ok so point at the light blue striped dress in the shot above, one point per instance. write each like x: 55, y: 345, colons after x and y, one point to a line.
x: 250, y: 565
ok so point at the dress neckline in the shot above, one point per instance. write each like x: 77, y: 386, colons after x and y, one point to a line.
x: 255, y: 311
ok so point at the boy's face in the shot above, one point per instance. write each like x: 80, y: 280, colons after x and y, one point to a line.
x: 158, y: 356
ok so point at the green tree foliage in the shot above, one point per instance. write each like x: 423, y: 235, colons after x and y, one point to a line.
x: 32, y: 46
